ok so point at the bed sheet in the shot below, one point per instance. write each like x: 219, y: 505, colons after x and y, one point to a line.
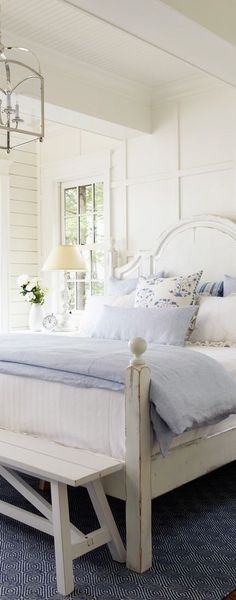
x: 86, y: 418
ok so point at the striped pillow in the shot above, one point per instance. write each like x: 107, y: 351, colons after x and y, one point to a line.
x: 211, y: 288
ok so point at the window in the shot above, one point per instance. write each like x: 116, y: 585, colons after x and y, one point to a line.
x: 83, y: 224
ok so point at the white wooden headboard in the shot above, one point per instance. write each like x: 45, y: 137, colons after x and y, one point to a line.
x: 202, y: 242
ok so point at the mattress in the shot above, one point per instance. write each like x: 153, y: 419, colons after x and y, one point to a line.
x: 85, y: 417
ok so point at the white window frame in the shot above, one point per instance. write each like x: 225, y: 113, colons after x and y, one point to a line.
x: 82, y: 168
x: 106, y: 245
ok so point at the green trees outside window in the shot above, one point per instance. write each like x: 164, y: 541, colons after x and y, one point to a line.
x: 83, y: 208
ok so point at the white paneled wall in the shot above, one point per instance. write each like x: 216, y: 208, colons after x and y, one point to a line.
x: 187, y: 166
x: 23, y: 227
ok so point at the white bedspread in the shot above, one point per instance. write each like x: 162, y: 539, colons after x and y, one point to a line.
x: 70, y: 416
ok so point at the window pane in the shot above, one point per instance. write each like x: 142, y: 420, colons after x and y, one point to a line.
x: 71, y: 231
x: 98, y: 227
x: 82, y: 291
x: 87, y: 274
x: 86, y: 229
x: 85, y: 199
x: 97, y: 257
x: 84, y: 224
x: 97, y: 287
x: 71, y: 201
x: 99, y: 196
x: 79, y: 289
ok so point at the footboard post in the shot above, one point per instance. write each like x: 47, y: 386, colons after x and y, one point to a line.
x: 138, y: 461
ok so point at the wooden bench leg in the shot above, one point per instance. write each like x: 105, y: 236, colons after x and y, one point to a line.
x: 62, y: 538
x: 106, y: 519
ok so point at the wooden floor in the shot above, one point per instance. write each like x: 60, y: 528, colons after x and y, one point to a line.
x: 231, y: 596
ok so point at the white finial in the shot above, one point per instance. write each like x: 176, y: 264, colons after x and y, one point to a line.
x: 137, y: 346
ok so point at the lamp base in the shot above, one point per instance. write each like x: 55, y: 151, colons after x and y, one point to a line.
x: 64, y: 323
x: 64, y: 318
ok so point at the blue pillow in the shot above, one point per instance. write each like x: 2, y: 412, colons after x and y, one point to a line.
x: 211, y: 288
x: 159, y: 325
x: 229, y: 285
x: 120, y: 287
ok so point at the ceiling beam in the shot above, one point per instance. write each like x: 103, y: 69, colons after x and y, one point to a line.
x: 111, y: 103
x: 64, y: 116
x: 167, y: 29
x: 96, y: 101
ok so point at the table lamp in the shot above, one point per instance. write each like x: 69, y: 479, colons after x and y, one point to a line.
x: 65, y: 258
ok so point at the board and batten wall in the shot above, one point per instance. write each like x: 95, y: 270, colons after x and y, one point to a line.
x: 23, y: 227
x: 187, y: 166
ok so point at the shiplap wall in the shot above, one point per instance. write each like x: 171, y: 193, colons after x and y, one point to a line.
x: 23, y: 227
x: 186, y: 167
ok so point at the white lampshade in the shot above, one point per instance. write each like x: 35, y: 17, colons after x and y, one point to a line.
x: 64, y: 258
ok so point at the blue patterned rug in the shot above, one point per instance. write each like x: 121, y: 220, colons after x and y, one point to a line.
x: 194, y: 537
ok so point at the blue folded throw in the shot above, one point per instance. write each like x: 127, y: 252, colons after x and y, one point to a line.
x: 188, y: 389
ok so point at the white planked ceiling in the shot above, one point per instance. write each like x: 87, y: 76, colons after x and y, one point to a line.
x: 57, y: 26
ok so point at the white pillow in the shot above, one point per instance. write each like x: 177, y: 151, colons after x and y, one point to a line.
x: 94, y: 307
x: 126, y: 301
x: 216, y: 320
x: 167, y: 292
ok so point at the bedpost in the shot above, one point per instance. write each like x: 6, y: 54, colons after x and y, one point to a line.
x: 138, y: 461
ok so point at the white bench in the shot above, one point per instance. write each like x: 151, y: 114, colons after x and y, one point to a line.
x: 61, y: 466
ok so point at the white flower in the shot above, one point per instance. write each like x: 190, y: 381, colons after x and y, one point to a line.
x: 34, y: 281
x: 30, y: 286
x: 29, y: 297
x: 23, y: 280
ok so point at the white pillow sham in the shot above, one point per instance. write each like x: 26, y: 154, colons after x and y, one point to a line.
x: 216, y: 320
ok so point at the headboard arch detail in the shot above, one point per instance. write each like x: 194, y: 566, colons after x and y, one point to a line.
x: 203, y: 242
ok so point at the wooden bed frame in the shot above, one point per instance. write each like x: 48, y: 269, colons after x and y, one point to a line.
x: 207, y: 243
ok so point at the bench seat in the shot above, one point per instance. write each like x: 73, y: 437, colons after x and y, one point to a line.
x: 61, y: 466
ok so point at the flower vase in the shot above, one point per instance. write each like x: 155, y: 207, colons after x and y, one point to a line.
x: 36, y: 315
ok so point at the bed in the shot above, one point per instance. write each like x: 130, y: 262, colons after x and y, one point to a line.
x: 120, y: 425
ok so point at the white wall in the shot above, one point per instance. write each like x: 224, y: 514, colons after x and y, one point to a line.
x: 23, y: 227
x: 186, y: 167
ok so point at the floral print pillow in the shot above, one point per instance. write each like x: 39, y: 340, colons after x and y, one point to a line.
x: 168, y: 291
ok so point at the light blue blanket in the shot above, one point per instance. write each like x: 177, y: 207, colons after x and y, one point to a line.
x: 188, y: 389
